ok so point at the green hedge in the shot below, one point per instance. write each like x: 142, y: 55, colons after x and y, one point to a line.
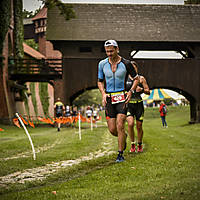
x: 32, y: 89
x: 5, y: 10
x: 44, y: 97
x: 19, y: 28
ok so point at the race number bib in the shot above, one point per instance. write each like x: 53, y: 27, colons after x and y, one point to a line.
x: 117, y: 97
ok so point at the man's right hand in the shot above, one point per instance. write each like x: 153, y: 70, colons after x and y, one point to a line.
x: 104, y: 97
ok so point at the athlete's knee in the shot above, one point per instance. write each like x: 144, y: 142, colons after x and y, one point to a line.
x: 120, y: 127
x: 130, y: 124
x: 113, y: 130
x: 130, y: 121
x: 139, y: 125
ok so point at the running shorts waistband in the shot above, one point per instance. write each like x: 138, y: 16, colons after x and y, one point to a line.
x: 135, y: 101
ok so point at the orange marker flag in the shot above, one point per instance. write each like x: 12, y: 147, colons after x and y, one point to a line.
x: 88, y: 120
x: 31, y: 123
x: 16, y: 122
x: 83, y: 119
x: 24, y: 121
x: 58, y: 120
x: 68, y: 119
x: 49, y: 121
x: 42, y: 119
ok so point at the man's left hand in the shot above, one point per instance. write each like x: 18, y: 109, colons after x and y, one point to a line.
x: 128, y: 97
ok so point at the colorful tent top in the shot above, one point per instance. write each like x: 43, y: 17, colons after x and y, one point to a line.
x: 156, y: 95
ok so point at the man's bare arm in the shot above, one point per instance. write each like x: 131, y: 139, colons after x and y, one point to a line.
x: 101, y: 89
x: 133, y: 88
x: 145, y: 86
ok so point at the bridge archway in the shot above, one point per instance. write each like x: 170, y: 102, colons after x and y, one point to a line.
x: 73, y: 97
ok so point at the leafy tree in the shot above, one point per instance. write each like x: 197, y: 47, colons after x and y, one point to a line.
x: 27, y: 14
x: 32, y: 43
x: 89, y: 97
x: 192, y: 2
x: 65, y: 9
x: 5, y: 10
x: 18, y: 28
x: 30, y: 14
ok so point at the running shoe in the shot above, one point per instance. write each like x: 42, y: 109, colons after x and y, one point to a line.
x: 120, y: 158
x: 58, y: 129
x: 132, y: 148
x: 140, y: 149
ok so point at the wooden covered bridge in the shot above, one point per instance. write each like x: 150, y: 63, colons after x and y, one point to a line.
x: 136, y: 28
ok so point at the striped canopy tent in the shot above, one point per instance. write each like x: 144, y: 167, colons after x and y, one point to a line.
x: 156, y: 95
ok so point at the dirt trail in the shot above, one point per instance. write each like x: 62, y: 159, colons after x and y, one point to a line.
x: 40, y: 173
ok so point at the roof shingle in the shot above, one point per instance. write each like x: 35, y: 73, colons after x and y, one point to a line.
x: 126, y: 22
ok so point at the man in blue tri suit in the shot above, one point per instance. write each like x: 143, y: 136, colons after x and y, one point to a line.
x: 114, y: 71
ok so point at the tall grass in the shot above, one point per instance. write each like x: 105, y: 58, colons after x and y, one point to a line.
x: 169, y: 167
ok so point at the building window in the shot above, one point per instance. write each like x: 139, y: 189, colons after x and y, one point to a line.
x: 103, y: 50
x: 85, y: 49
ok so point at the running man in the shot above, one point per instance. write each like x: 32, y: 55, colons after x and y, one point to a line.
x: 136, y: 110
x: 89, y: 112
x: 114, y: 71
x: 59, y: 107
x: 67, y: 111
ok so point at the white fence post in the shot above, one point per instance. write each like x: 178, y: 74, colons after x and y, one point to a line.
x: 29, y: 137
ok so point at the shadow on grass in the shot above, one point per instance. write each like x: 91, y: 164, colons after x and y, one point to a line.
x: 187, y: 125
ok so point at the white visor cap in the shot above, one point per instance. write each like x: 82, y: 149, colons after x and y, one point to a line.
x: 110, y: 43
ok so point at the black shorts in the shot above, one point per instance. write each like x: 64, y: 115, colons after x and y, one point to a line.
x: 67, y: 114
x: 58, y: 115
x: 113, y: 109
x: 136, y: 110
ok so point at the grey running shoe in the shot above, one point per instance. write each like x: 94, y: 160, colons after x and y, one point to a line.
x: 119, y: 159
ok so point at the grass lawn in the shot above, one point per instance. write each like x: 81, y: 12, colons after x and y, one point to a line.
x: 169, y: 167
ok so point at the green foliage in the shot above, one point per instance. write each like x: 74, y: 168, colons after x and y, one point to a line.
x: 32, y: 90
x: 192, y: 2
x: 44, y: 97
x: 89, y: 97
x: 27, y: 14
x: 19, y: 28
x: 30, y: 14
x: 65, y: 9
x: 32, y: 43
x: 26, y: 105
x: 5, y: 10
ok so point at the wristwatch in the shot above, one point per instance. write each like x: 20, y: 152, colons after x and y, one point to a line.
x: 132, y: 91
